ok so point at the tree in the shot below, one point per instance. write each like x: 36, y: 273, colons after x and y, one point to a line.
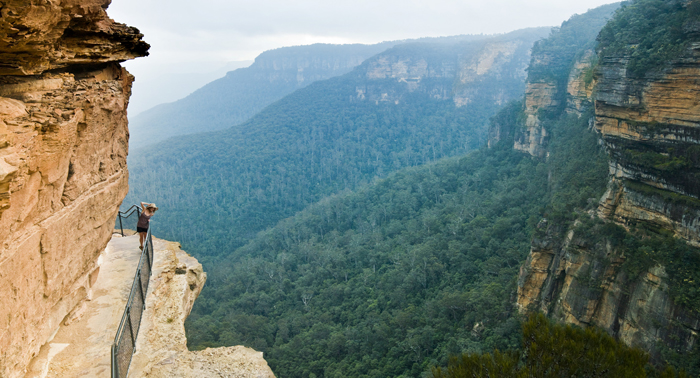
x: 552, y: 350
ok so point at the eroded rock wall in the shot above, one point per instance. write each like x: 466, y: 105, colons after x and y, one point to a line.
x: 649, y: 127
x: 544, y: 97
x: 63, y: 147
x: 573, y: 279
x: 492, y: 70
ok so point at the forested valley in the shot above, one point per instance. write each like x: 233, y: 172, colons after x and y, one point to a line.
x: 360, y: 226
x: 395, y: 277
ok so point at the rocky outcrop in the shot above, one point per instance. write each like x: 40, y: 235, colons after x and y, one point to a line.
x: 544, y: 96
x: 63, y: 146
x: 161, y: 349
x: 47, y: 35
x: 559, y: 77
x: 539, y: 96
x: 579, y: 88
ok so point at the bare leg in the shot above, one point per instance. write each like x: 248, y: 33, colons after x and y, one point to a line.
x: 142, y: 238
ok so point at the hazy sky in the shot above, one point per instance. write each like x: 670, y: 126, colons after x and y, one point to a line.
x: 190, y: 34
x: 194, y: 39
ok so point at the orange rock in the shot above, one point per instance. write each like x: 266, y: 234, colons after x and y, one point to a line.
x: 63, y: 147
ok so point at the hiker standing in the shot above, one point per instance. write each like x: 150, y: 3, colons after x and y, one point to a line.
x: 148, y: 209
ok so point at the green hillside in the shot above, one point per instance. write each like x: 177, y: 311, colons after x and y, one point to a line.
x: 217, y: 190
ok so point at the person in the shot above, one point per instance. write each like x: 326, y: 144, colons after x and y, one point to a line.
x: 148, y: 209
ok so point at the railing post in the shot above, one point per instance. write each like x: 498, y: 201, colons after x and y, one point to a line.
x: 121, y: 227
x: 133, y: 337
x: 143, y: 295
x: 149, y: 252
x: 115, y: 366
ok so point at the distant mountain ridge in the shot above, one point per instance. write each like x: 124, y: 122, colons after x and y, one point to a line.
x: 242, y: 93
x: 166, y: 83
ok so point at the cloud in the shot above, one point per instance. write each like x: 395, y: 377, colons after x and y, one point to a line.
x: 229, y: 30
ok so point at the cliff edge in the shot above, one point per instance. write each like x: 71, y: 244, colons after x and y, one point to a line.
x: 63, y: 147
x: 161, y: 348
x: 628, y: 266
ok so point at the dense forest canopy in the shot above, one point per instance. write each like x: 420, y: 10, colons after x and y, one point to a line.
x: 386, y: 280
x: 650, y: 33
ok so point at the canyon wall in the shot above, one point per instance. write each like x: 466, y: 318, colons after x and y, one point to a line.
x: 558, y: 78
x: 63, y: 147
x: 649, y: 127
x: 492, y: 67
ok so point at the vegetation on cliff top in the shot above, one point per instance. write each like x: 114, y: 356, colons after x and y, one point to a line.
x: 651, y: 33
x: 552, y: 58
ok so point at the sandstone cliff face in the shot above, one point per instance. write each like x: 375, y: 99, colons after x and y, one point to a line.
x: 451, y: 72
x: 577, y: 281
x: 539, y: 96
x: 544, y: 96
x: 46, y: 35
x: 63, y: 146
x: 579, y: 88
x: 649, y: 126
x: 161, y: 349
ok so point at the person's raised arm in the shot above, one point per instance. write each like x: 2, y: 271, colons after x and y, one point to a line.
x: 143, y: 208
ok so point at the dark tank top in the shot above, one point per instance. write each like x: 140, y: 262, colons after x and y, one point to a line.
x: 143, y: 220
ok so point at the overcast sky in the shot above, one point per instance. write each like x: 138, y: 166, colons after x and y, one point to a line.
x: 201, y: 36
x: 185, y: 33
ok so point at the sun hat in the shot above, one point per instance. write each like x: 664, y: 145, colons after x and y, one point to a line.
x: 152, y: 206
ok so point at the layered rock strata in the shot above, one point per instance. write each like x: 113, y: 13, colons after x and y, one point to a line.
x: 579, y: 88
x: 63, y: 146
x: 577, y: 281
x: 546, y: 97
x: 539, y: 96
x: 650, y: 128
x: 161, y: 349
x: 455, y: 74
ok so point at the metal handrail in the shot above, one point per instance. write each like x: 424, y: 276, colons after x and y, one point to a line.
x: 138, y: 288
x: 126, y: 214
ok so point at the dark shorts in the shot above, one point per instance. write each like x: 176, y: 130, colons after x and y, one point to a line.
x: 141, y: 229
